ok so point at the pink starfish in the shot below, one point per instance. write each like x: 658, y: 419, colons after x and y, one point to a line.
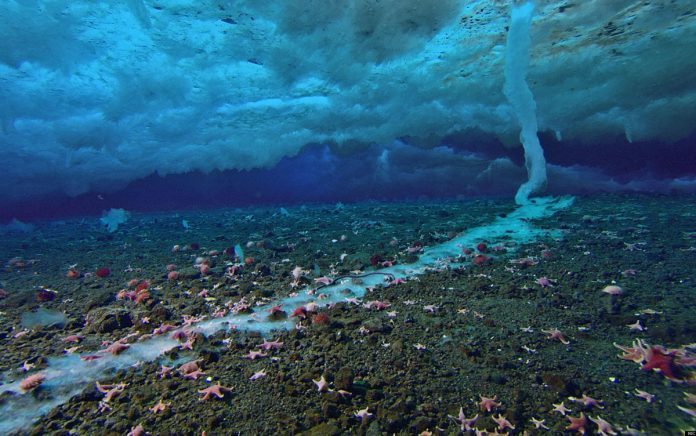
x: 603, y: 427
x: 138, y: 430
x: 116, y: 348
x: 587, y: 401
x: 578, y: 424
x: 323, y: 280
x: 502, y: 422
x: 111, y: 391
x: 376, y: 304
x: 258, y: 374
x: 164, y: 328
x: 488, y: 404
x: 466, y: 424
x: 556, y: 334
x: 159, y: 407
x: 363, y: 414
x: 188, y: 345
x: 165, y: 371
x: 217, y: 390
x: 193, y: 375
x: 644, y: 395
x: 322, y: 385
x: 636, y: 326
x: 636, y: 353
x: 90, y: 357
x: 189, y: 367
x: 272, y: 345
x: 543, y: 282
x: 253, y: 355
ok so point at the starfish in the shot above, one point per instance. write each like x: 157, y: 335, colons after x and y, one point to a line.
x: 376, y: 304
x: 188, y: 345
x: 164, y: 328
x: 253, y: 355
x: 138, y: 430
x: 90, y: 357
x: 363, y: 414
x: 578, y: 424
x: 322, y: 385
x: 430, y: 308
x: 466, y: 424
x: 217, y: 390
x: 603, y: 427
x: 502, y: 422
x: 539, y: 423
x: 26, y: 366
x: 587, y: 401
x: 188, y: 367
x: 556, y: 334
x: 691, y: 412
x: 164, y: 371
x: 272, y: 345
x: 116, y: 348
x: 488, y: 404
x: 543, y: 282
x: 258, y: 374
x: 659, y: 359
x: 160, y: 407
x: 193, y: 375
x: 560, y: 408
x: 111, y: 391
x: 636, y: 353
x: 636, y: 326
x: 644, y: 395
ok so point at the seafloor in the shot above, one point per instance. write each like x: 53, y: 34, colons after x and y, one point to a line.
x: 447, y: 338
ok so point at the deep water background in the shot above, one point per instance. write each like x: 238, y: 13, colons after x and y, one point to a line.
x: 400, y: 171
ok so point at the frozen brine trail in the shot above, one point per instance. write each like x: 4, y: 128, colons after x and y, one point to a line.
x: 66, y: 376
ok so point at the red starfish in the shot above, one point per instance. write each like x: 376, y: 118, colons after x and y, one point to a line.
x: 217, y: 390
x: 656, y: 358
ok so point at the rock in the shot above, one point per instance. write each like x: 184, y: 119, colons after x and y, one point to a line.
x: 343, y: 379
x: 324, y: 429
x: 109, y: 320
x: 329, y: 410
x: 376, y: 325
x: 98, y: 299
x: 189, y: 273
x: 159, y: 313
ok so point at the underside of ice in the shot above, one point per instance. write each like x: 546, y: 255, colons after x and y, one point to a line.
x: 98, y: 94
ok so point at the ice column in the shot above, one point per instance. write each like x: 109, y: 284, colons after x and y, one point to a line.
x: 521, y: 99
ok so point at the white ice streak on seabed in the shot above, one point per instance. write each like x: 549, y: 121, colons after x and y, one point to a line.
x: 67, y: 375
